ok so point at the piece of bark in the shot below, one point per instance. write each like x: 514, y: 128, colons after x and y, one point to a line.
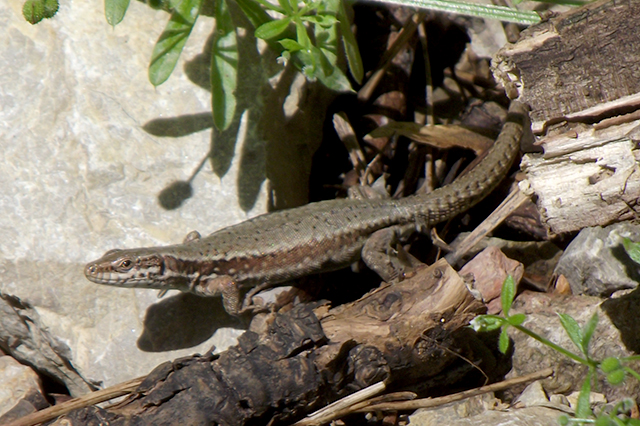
x: 578, y: 72
x: 573, y: 62
x: 407, y: 333
x: 586, y: 179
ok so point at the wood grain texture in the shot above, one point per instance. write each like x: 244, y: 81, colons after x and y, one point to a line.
x: 575, y: 61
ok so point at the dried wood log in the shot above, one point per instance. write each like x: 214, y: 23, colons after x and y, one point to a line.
x: 403, y: 334
x: 585, y: 179
x: 578, y: 71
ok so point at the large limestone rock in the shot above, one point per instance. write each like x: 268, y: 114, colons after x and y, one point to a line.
x: 93, y: 157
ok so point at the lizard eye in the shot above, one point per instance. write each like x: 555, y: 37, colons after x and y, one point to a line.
x: 125, y: 264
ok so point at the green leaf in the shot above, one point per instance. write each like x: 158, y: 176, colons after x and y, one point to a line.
x: 302, y: 36
x: 114, y: 11
x: 583, y: 410
x: 337, y: 81
x: 287, y: 6
x: 309, y: 7
x: 327, y: 43
x: 491, y: 327
x: 486, y: 323
x: 50, y: 8
x: 573, y: 330
x: 270, y: 6
x: 224, y: 68
x: 503, y: 342
x: 290, y: 45
x: 517, y: 319
x: 169, y: 46
x: 323, y: 20
x: 350, y: 44
x: 603, y: 420
x: 159, y: 5
x: 252, y: 10
x: 507, y: 295
x: 503, y: 13
x: 35, y: 11
x: 632, y: 249
x: 328, y: 66
x: 587, y: 332
x: 273, y: 28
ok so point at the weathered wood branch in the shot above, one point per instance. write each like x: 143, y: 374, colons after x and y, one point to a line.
x: 585, y: 179
x: 578, y: 72
x: 403, y: 334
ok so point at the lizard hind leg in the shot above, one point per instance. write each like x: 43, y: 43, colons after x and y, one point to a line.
x: 382, y: 254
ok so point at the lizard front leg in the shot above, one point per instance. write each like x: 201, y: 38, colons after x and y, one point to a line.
x: 234, y: 302
x: 222, y: 285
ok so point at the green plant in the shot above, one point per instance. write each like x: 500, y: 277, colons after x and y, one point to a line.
x: 311, y: 34
x: 614, y: 369
x: 308, y: 34
x: 35, y: 11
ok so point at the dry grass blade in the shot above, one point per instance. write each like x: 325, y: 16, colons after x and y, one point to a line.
x: 514, y: 200
x: 327, y: 413
x: 348, y: 137
x: 434, y: 402
x: 405, y: 35
x: 368, y: 406
x: 80, y: 402
x: 439, y: 136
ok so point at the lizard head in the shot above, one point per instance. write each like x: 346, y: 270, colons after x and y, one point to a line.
x: 139, y: 268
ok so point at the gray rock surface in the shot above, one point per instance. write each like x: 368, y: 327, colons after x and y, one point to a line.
x: 18, y: 381
x: 615, y: 336
x: 595, y: 262
x: 90, y: 152
x: 24, y: 334
x: 486, y: 410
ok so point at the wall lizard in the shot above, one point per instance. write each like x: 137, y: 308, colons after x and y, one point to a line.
x: 318, y: 237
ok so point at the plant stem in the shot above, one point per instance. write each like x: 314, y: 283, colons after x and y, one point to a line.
x: 552, y: 345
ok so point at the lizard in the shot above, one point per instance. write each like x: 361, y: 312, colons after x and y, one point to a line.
x: 284, y: 245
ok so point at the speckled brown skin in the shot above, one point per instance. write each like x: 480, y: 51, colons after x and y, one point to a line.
x: 318, y: 237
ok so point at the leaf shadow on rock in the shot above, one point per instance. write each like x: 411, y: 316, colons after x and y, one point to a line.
x: 175, y: 127
x: 265, y: 140
x: 183, y: 321
x: 251, y: 81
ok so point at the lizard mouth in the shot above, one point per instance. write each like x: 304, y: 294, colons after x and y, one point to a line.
x: 98, y: 276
